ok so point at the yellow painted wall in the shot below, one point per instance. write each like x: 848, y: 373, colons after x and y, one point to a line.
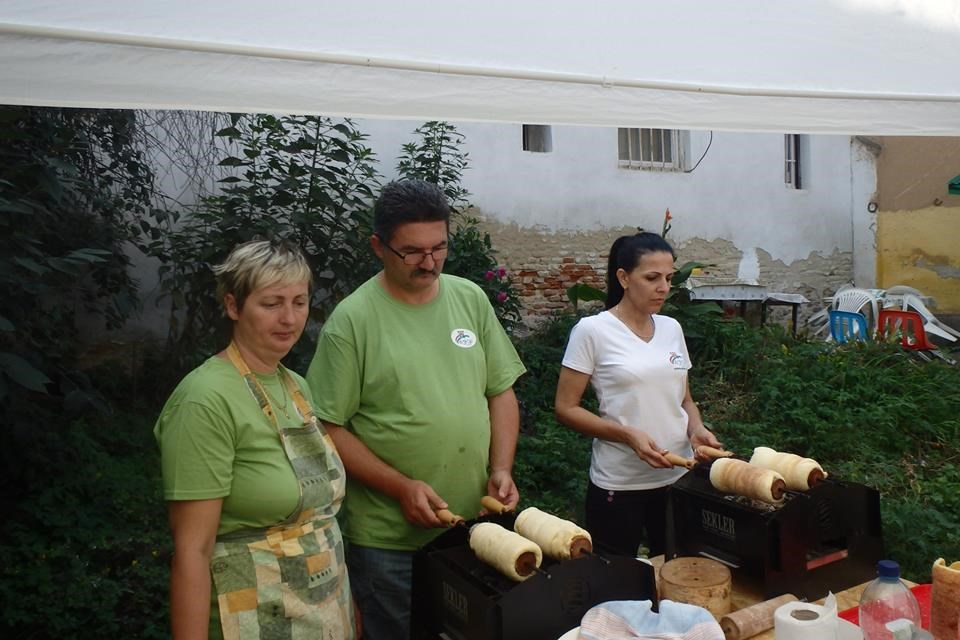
x: 921, y: 248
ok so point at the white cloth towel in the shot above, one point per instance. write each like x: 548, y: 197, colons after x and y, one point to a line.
x: 631, y: 619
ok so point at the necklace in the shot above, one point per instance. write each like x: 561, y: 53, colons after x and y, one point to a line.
x: 273, y: 401
x: 646, y: 338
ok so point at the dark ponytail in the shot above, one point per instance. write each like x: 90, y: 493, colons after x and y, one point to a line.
x: 625, y: 253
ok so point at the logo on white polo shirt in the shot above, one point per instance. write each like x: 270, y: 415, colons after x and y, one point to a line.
x: 677, y: 361
x: 463, y: 338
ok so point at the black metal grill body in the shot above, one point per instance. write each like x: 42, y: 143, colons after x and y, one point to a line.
x: 457, y: 596
x: 826, y: 539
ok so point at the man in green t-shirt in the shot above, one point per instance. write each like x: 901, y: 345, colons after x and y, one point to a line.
x: 413, y: 378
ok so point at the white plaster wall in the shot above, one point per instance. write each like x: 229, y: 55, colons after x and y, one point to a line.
x: 737, y: 193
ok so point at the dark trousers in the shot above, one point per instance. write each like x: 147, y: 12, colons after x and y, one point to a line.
x: 623, y: 520
x: 381, y: 579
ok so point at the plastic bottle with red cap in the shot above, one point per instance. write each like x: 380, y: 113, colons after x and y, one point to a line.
x: 884, y: 600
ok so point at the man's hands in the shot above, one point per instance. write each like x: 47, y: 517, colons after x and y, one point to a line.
x: 500, y: 485
x: 420, y: 503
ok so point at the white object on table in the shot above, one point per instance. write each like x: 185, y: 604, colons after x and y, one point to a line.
x: 570, y: 635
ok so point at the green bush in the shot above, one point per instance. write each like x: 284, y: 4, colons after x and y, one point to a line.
x: 74, y: 189
x: 552, y: 460
x: 86, y: 548
x: 308, y: 179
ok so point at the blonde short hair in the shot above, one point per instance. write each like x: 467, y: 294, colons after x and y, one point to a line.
x: 260, y: 263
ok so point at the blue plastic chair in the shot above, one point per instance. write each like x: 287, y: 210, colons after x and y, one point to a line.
x: 848, y: 325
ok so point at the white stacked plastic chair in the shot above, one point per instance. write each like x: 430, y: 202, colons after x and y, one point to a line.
x: 858, y: 300
x: 819, y: 322
x: 931, y: 324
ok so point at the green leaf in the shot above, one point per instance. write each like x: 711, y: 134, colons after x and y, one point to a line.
x: 87, y: 255
x: 22, y: 372
x: 584, y: 293
x: 231, y: 132
x: 7, y: 206
x: 31, y: 265
x: 6, y: 325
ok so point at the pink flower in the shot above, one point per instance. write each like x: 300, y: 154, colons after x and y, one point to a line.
x: 489, y: 275
x: 667, y: 217
x: 501, y: 272
x: 502, y: 296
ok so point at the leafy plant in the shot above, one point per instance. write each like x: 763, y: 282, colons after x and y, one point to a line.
x: 552, y: 460
x: 309, y: 179
x: 437, y: 156
x: 580, y: 292
x: 74, y: 191
x: 74, y: 563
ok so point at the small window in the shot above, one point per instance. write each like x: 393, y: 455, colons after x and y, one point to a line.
x: 650, y: 148
x: 537, y: 138
x: 791, y: 161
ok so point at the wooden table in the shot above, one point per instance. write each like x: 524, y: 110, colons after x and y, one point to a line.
x: 745, y: 594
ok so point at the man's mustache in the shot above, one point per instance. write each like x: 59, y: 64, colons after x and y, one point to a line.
x: 423, y: 272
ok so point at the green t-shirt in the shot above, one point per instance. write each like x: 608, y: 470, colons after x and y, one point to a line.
x: 411, y: 382
x: 216, y: 443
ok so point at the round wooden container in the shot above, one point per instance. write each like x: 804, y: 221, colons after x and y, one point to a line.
x: 699, y: 581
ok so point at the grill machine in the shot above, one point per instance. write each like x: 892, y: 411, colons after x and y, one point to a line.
x: 458, y: 597
x: 825, y: 539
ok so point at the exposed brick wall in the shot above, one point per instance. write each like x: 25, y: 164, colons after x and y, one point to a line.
x: 543, y: 287
x: 543, y: 264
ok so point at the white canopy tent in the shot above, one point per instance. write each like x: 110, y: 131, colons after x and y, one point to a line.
x: 809, y: 66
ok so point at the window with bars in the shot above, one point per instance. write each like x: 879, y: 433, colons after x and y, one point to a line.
x: 537, y: 138
x: 791, y: 161
x: 659, y: 149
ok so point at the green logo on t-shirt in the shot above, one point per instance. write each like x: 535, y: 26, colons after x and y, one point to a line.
x: 463, y: 338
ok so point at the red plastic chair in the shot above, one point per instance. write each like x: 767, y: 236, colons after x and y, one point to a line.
x: 908, y: 326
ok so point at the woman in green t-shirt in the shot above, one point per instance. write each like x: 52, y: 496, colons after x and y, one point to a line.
x: 253, y: 481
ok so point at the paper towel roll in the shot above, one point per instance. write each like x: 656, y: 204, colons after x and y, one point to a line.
x: 803, y: 621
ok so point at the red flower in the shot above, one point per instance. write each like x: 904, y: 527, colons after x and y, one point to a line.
x: 502, y: 296
x: 489, y: 275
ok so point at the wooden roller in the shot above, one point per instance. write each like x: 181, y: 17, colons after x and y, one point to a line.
x: 493, y: 505
x: 712, y: 453
x: 730, y: 475
x: 448, y: 518
x: 679, y: 461
x: 754, y: 619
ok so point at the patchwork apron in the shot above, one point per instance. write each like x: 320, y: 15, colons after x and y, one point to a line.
x: 289, y: 581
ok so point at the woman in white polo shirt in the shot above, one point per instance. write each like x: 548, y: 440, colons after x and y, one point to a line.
x: 637, y: 362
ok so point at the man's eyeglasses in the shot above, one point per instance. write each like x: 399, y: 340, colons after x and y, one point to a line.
x: 416, y: 257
